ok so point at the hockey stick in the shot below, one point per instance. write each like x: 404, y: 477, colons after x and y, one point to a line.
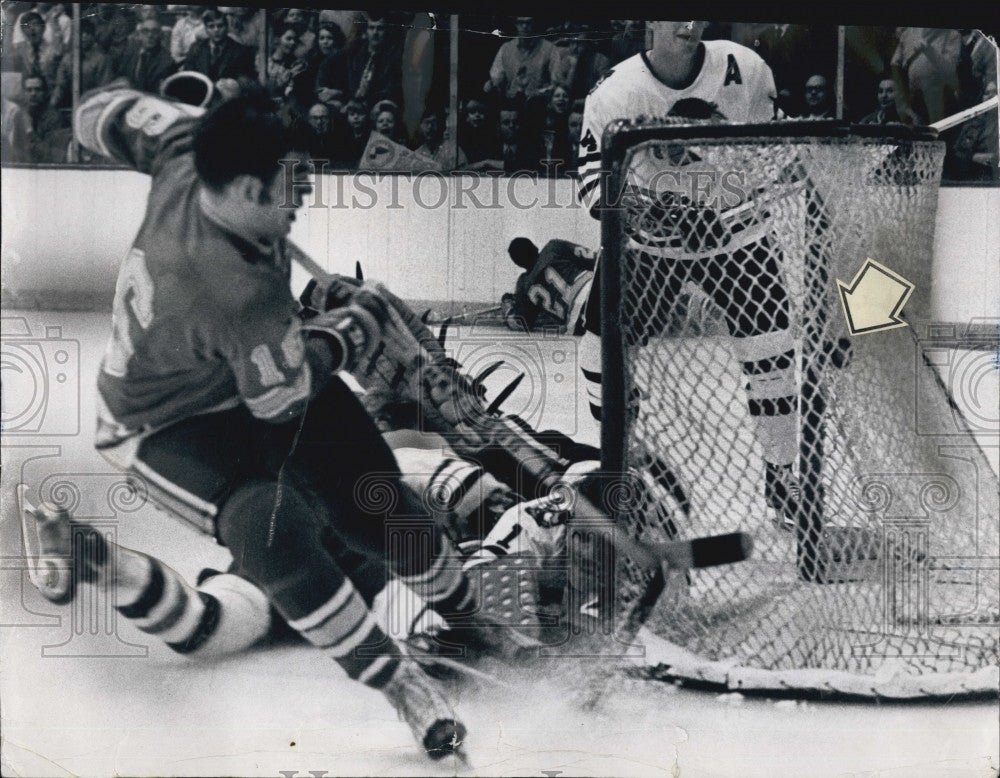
x: 465, y: 317
x: 682, y: 554
x: 957, y: 118
x: 701, y: 552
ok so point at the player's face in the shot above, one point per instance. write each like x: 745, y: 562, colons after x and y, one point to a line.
x: 271, y: 215
x: 677, y: 38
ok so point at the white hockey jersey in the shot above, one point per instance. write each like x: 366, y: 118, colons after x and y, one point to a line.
x: 732, y: 77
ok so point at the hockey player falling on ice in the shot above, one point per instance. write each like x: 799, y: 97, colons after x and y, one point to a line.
x: 552, y: 289
x: 218, y: 396
x: 681, y: 242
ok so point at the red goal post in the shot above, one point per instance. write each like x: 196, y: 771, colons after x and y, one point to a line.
x: 881, y: 577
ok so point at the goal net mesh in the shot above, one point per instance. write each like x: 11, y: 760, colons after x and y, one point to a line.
x: 727, y: 347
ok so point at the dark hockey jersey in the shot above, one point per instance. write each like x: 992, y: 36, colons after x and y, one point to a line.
x: 546, y: 294
x: 202, y: 319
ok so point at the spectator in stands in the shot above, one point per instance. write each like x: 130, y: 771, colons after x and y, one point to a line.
x: 385, y: 120
x: 151, y: 12
x: 329, y: 40
x: 977, y: 79
x: 351, y: 145
x: 574, y: 128
x: 147, y: 63
x: 520, y: 150
x: 628, y: 40
x: 187, y: 29
x: 579, y: 63
x: 925, y: 67
x: 283, y: 66
x: 523, y: 66
x: 114, y: 25
x: 885, y: 99
x: 370, y: 72
x: 321, y: 138
x: 553, y: 128
x: 58, y: 25
x: 300, y: 18
x: 245, y: 25
x: 963, y: 162
x: 434, y: 143
x: 791, y: 51
x: 95, y: 68
x: 34, y: 55
x: 218, y: 55
x: 48, y: 137
x: 477, y: 133
x: 817, y: 98
x: 15, y: 129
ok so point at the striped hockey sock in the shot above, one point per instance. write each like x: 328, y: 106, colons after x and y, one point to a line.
x: 344, y: 628
x: 768, y: 363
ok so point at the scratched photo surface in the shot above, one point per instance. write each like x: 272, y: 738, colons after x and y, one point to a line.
x: 393, y: 392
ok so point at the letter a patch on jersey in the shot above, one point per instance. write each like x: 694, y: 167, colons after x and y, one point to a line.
x: 732, y: 72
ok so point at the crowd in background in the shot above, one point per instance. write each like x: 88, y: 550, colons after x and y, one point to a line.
x: 519, y: 85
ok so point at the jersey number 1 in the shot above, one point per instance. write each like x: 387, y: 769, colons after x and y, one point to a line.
x: 133, y: 300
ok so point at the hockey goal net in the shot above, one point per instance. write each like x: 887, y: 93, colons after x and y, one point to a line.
x: 875, y: 570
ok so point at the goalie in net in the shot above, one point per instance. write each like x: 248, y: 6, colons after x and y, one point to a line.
x: 868, y: 592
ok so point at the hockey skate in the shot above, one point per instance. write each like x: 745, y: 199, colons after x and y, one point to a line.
x: 48, y: 548
x: 782, y: 493
x: 417, y: 699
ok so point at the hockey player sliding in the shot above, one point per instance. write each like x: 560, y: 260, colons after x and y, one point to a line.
x: 683, y: 242
x: 553, y: 287
x: 226, y: 404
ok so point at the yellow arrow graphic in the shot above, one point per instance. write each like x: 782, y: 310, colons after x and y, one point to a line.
x: 874, y: 299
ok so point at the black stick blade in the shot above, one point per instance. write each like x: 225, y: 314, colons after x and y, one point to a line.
x: 443, y: 332
x: 721, y: 549
x: 506, y: 392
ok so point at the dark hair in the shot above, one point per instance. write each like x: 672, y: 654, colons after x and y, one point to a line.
x: 86, y: 25
x: 213, y: 14
x: 339, y: 40
x: 31, y: 16
x: 516, y: 103
x: 356, y: 106
x: 242, y: 136
x: 693, y: 108
x: 523, y: 252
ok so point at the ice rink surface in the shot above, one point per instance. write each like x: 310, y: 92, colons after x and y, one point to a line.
x: 84, y: 694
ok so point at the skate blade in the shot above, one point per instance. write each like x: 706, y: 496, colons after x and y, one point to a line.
x: 51, y: 574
